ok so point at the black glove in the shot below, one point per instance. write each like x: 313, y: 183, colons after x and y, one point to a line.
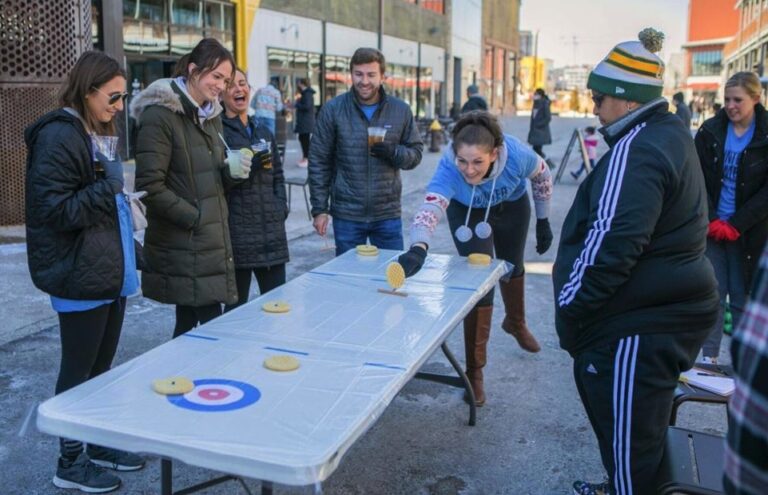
x: 113, y: 172
x: 412, y: 260
x: 262, y: 159
x: 543, y: 235
x: 384, y: 150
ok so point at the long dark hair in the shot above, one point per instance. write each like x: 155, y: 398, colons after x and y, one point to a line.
x: 206, y: 55
x: 477, y: 128
x: 92, y: 70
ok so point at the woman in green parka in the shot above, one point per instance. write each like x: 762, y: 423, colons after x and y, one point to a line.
x: 180, y: 163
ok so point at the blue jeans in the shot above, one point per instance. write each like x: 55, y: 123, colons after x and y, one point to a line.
x: 727, y: 260
x: 268, y: 123
x: 384, y: 234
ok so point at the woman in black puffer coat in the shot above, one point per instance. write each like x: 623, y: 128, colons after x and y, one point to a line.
x: 80, y: 246
x: 733, y: 150
x: 257, y: 207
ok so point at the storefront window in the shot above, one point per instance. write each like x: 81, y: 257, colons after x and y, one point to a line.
x: 147, y: 30
x: 707, y: 63
x: 286, y: 67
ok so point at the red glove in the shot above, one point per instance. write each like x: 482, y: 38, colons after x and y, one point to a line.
x: 729, y: 232
x: 715, y: 230
x: 721, y: 230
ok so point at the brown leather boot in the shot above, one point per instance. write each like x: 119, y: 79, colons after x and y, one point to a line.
x: 477, y: 329
x: 513, y: 294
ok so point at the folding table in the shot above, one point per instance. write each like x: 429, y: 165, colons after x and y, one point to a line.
x: 357, y: 348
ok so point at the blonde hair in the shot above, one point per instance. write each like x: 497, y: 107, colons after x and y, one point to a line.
x: 747, y: 80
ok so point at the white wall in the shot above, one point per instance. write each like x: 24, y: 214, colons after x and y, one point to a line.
x: 467, y: 32
x: 300, y: 33
x: 344, y: 40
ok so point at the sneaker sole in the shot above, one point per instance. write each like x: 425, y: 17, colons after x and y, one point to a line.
x: 116, y: 467
x: 70, y: 485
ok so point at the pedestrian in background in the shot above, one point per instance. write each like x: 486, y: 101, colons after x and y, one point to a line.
x: 180, y: 164
x: 257, y: 206
x: 481, y: 185
x: 267, y: 102
x: 304, y: 106
x: 681, y: 109
x: 359, y: 186
x: 80, y: 246
x: 733, y: 150
x: 635, y: 294
x: 539, y: 133
x: 475, y: 100
x: 590, y: 142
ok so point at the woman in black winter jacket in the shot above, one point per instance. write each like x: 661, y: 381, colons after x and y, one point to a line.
x: 80, y: 245
x: 257, y: 206
x: 733, y: 150
x: 539, y: 133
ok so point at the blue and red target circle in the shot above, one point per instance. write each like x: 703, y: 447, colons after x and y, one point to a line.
x: 217, y: 395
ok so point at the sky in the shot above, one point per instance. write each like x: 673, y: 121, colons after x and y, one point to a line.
x: 598, y: 25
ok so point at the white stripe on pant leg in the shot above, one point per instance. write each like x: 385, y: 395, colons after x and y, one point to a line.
x: 616, y: 381
x: 630, y: 395
x: 623, y: 388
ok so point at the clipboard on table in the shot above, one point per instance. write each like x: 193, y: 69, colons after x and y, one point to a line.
x: 710, y: 381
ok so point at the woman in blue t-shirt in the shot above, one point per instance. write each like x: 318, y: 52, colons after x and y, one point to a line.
x: 480, y: 183
x: 733, y: 150
x: 80, y: 245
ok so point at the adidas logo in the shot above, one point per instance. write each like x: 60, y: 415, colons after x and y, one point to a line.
x: 591, y: 369
x: 619, y: 90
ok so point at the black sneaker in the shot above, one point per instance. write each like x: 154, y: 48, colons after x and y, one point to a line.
x: 84, y: 476
x: 575, y: 175
x: 119, y: 460
x: 584, y: 488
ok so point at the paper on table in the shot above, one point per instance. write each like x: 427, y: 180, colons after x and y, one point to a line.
x: 709, y: 381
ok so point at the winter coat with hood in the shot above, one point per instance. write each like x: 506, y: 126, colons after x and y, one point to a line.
x: 257, y: 206
x: 751, y: 216
x: 631, y: 257
x: 180, y: 164
x: 305, y: 112
x: 539, y: 133
x: 342, y: 172
x: 74, y: 248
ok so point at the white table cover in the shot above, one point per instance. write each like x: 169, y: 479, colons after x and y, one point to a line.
x: 357, y: 348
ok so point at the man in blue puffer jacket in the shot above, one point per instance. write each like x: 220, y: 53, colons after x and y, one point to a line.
x: 356, y: 185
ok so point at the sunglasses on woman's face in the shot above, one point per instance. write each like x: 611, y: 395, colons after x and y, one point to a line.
x: 114, y: 97
x: 597, y: 98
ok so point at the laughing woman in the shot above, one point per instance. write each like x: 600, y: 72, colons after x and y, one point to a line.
x: 257, y: 206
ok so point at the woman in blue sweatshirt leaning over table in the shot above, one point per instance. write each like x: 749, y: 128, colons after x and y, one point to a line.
x: 480, y: 184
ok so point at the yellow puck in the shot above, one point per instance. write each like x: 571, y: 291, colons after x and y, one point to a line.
x: 479, y: 259
x: 276, y: 307
x: 281, y: 362
x: 174, y: 385
x: 367, y: 250
x: 395, y: 275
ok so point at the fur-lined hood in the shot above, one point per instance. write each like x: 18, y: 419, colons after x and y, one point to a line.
x: 166, y: 93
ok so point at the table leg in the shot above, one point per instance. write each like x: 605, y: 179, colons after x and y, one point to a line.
x: 460, y: 381
x: 166, y: 477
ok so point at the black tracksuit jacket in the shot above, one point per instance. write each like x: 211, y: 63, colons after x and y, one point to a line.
x: 631, y: 256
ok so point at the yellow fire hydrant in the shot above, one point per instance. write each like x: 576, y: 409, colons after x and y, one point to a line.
x: 435, y: 136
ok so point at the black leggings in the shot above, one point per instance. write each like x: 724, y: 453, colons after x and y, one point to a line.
x: 88, y: 342
x: 268, y: 277
x: 304, y: 141
x: 537, y: 149
x: 88, y: 345
x: 188, y: 317
x: 509, y: 220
